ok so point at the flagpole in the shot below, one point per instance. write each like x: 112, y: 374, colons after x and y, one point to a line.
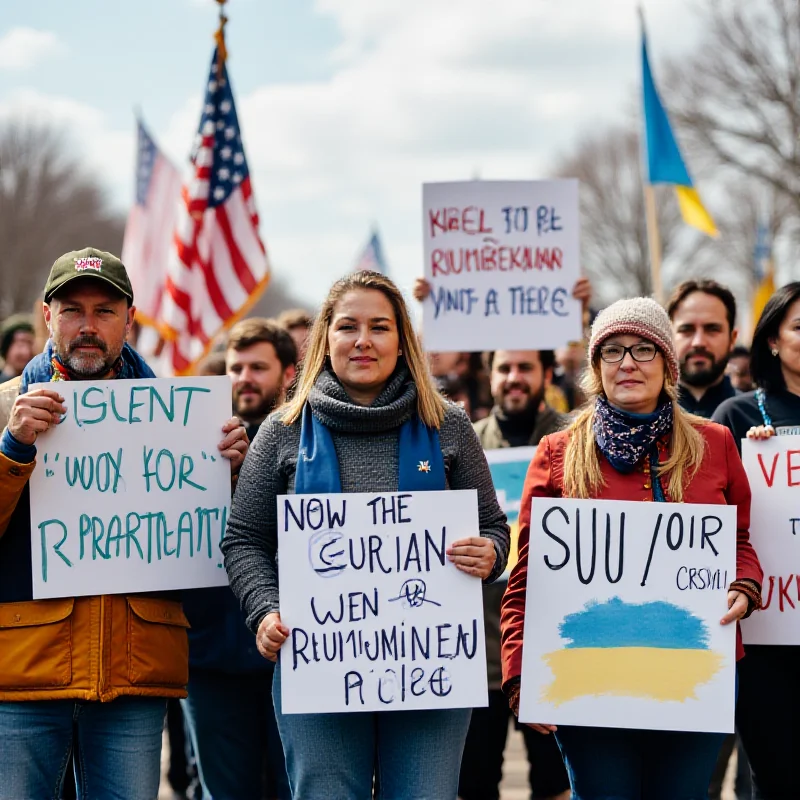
x: 219, y: 35
x: 653, y: 241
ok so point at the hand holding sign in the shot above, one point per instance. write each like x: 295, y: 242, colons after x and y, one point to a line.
x: 475, y: 556
x: 272, y: 633
x: 35, y: 412
x: 737, y: 608
x: 234, y: 445
x: 760, y: 432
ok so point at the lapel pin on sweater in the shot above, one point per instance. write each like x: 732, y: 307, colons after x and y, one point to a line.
x: 424, y: 466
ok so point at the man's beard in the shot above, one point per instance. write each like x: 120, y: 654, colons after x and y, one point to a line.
x: 701, y: 378
x: 254, y: 411
x: 87, y: 365
x: 532, y: 404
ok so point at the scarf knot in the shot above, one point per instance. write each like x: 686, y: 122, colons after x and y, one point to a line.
x: 625, y: 438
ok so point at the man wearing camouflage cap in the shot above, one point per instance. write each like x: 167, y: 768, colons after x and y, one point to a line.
x: 98, y: 668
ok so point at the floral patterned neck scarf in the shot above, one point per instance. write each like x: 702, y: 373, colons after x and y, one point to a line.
x: 625, y: 438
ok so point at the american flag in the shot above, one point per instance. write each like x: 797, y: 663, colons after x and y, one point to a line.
x: 218, y: 265
x: 372, y: 256
x: 150, y: 226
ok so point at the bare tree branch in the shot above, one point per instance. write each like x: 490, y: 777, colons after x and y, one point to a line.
x: 48, y: 206
x: 738, y: 98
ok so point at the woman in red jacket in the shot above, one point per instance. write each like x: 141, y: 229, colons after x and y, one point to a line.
x: 633, y: 442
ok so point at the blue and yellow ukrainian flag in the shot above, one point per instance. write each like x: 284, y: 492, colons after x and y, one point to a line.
x: 664, y: 161
x: 653, y: 650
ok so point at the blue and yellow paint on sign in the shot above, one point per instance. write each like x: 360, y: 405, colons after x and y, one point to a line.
x: 654, y: 650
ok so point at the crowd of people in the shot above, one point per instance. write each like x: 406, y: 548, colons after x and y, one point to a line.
x: 348, y: 400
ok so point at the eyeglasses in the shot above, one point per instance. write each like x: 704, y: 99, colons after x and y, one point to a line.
x: 614, y: 353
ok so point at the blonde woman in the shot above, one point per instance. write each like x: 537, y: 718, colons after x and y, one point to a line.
x: 633, y: 442
x: 364, y: 416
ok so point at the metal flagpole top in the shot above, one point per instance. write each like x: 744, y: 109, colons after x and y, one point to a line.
x: 219, y: 35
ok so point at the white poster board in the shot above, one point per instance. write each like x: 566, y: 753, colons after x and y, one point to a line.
x: 622, y: 615
x: 509, y: 466
x: 380, y: 619
x: 502, y: 258
x: 130, y: 493
x: 773, y: 469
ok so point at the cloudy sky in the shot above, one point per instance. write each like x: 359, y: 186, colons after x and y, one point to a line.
x: 347, y: 106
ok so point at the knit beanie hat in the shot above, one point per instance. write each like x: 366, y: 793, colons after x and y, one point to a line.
x: 638, y: 316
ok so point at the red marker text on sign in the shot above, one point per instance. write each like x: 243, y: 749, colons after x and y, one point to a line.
x: 470, y: 220
x: 792, y: 468
x: 785, y: 601
x: 491, y: 258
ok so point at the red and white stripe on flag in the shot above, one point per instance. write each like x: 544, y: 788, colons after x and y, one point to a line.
x: 150, y: 226
x: 217, y: 265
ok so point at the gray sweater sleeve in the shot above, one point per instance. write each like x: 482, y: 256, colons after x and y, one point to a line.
x: 469, y: 470
x: 250, y: 544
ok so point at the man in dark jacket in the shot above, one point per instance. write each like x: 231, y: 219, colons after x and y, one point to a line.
x: 703, y: 314
x: 520, y: 417
x: 229, y: 708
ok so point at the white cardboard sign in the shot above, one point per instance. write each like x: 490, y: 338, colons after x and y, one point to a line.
x: 773, y: 469
x: 380, y: 619
x: 130, y: 493
x: 502, y: 258
x: 622, y: 615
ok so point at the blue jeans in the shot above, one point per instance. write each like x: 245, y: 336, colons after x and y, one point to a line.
x: 624, y: 764
x: 117, y: 748
x: 234, y: 734
x: 412, y: 755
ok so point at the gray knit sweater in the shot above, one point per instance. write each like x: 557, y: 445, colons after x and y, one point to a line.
x: 366, y: 442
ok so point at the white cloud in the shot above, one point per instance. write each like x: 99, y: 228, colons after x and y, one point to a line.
x: 418, y: 91
x: 23, y: 48
x: 427, y: 90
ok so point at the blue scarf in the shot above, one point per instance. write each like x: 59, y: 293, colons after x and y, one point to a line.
x: 625, y: 438
x: 40, y: 368
x: 420, y: 458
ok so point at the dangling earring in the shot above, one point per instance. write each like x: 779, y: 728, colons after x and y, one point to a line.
x: 400, y: 352
x: 774, y: 351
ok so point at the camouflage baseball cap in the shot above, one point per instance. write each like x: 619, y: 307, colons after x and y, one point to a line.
x: 88, y: 263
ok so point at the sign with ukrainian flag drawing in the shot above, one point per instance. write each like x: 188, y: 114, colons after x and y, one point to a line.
x: 623, y: 609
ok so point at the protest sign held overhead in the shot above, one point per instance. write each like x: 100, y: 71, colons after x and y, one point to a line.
x: 622, y: 616
x: 131, y: 493
x: 502, y: 258
x: 773, y: 469
x: 380, y: 619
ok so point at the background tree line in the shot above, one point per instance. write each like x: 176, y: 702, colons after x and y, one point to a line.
x: 735, y: 104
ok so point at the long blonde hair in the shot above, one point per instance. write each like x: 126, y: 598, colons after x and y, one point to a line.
x: 430, y: 404
x: 582, y: 475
